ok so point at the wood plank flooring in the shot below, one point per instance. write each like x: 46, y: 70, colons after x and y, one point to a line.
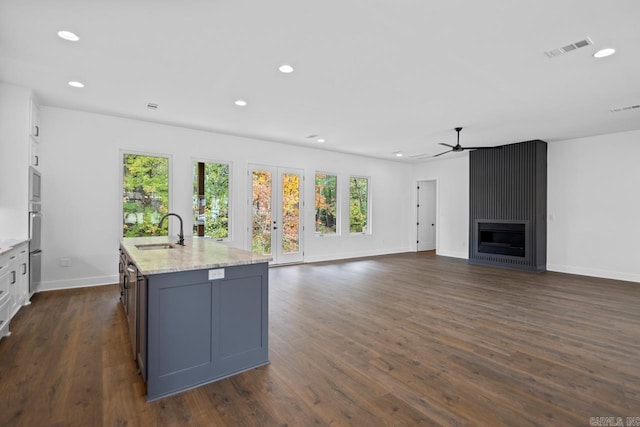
x: 409, y: 339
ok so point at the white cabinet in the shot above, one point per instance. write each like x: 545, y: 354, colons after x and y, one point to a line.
x: 20, y: 292
x: 35, y: 133
x: 34, y: 153
x: 19, y: 280
x: 14, y: 284
x: 6, y: 277
x: 35, y: 130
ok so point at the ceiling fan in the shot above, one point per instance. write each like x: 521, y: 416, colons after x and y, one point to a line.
x: 457, y: 148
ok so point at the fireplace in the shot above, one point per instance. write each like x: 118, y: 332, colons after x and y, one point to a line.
x: 502, y: 238
x: 508, y: 206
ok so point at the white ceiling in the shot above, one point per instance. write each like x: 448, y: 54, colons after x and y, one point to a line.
x: 371, y: 76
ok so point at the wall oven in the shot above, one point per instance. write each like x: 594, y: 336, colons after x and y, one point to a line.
x: 35, y: 185
x: 35, y: 249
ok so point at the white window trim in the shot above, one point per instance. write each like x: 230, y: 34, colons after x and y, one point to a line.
x: 231, y: 209
x: 121, y: 182
x: 338, y: 205
x: 368, y: 231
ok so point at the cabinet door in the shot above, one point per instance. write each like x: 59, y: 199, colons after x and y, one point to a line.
x: 14, y: 286
x: 22, y: 266
x: 34, y: 154
x: 35, y: 130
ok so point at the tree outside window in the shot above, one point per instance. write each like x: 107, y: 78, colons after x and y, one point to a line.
x: 326, y: 203
x: 211, y: 199
x: 358, y: 204
x: 145, y: 195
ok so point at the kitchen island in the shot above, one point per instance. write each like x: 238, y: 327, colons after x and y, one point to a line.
x: 197, y: 313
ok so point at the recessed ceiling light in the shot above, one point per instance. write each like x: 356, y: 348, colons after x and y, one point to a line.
x: 76, y: 84
x: 398, y: 154
x: 68, y: 35
x: 285, y: 68
x: 241, y: 103
x: 320, y: 140
x: 603, y: 53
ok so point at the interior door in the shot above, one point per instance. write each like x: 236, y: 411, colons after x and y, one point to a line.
x: 426, y: 215
x: 276, y: 213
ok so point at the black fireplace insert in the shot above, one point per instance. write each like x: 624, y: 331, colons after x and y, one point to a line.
x: 502, y: 238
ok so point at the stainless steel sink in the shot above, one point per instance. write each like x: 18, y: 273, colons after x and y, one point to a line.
x: 153, y: 246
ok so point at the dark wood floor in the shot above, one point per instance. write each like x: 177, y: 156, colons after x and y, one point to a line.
x: 410, y: 339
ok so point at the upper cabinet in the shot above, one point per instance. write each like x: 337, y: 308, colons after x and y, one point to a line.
x: 35, y: 130
x: 35, y: 133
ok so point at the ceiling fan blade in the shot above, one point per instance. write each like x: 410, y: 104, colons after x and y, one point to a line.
x: 446, y: 145
x: 444, y: 152
x: 482, y: 148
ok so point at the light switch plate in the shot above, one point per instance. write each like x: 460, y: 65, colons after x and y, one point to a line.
x: 216, y: 274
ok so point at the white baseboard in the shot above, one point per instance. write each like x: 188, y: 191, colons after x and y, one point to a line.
x: 593, y: 272
x: 54, y: 285
x: 452, y: 254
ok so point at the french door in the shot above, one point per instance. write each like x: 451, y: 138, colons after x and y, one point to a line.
x: 276, y: 213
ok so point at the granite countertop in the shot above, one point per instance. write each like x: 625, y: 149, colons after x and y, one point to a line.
x: 7, y: 244
x: 197, y: 253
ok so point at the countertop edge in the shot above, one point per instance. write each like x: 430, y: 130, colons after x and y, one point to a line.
x: 188, y: 259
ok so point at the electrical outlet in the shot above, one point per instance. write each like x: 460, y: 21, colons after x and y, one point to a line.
x: 65, y: 262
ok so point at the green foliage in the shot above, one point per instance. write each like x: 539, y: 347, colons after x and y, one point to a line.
x: 145, y: 196
x: 358, y: 204
x: 326, y: 203
x: 261, y: 212
x: 212, y: 208
x: 290, y: 213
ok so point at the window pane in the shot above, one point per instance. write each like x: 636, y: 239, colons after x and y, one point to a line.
x: 261, y: 212
x: 358, y: 204
x: 211, y: 199
x: 326, y: 203
x: 290, y: 213
x: 145, y: 195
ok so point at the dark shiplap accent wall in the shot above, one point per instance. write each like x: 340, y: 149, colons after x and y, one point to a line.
x: 510, y: 185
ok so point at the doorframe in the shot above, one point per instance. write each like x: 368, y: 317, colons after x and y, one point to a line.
x: 276, y: 172
x: 436, y: 198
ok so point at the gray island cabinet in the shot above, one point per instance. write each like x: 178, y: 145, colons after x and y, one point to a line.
x: 197, y: 313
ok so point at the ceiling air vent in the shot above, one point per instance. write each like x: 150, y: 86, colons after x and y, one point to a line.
x: 152, y: 106
x: 568, y: 48
x: 628, y: 107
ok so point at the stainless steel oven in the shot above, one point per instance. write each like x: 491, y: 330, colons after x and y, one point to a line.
x: 35, y: 248
x: 35, y: 185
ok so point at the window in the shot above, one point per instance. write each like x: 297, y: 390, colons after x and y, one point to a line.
x: 326, y: 203
x: 145, y: 194
x: 358, y: 205
x: 211, y: 200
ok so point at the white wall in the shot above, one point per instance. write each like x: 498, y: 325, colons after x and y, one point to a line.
x: 82, y: 197
x: 14, y: 161
x: 452, y: 216
x: 594, y: 206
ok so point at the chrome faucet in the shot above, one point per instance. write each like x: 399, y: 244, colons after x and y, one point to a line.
x: 181, y: 235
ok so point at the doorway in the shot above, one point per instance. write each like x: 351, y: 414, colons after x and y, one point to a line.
x: 426, y: 214
x: 276, y: 213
